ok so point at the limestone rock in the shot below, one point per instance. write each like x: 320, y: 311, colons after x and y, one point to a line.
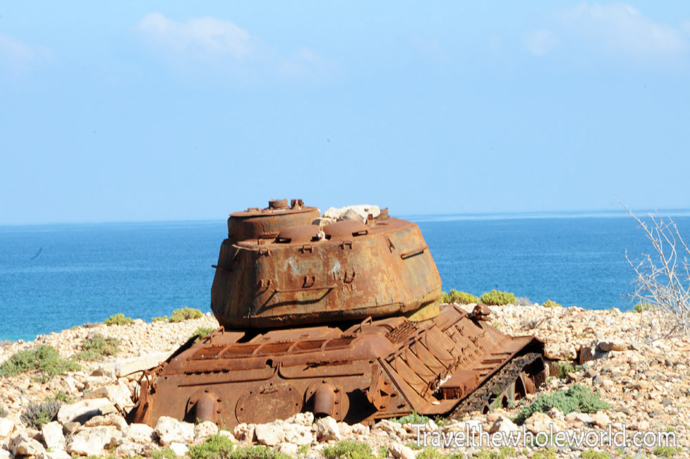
x: 23, y: 445
x: 179, y: 449
x: 204, y: 430
x: 91, y: 441
x: 112, y: 419
x: 503, y: 424
x: 391, y: 427
x: 6, y: 427
x: 360, y: 429
x: 289, y: 449
x: 587, y: 352
x: 170, y: 430
x: 399, y: 451
x: 106, y: 371
x: 126, y: 367
x: 600, y: 419
x: 128, y: 449
x: 140, y: 433
x: 4, y: 454
x: 269, y: 434
x: 303, y: 419
x: 245, y: 432
x: 357, y: 212
x: 85, y: 410
x: 327, y: 429
x: 560, y: 351
x: 53, y: 437
x: 297, y: 434
x: 118, y: 394
x: 56, y: 454
x: 607, y: 346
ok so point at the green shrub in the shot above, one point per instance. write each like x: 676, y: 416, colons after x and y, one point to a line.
x: 257, y: 452
x: 348, y: 449
x: 577, y: 398
x: 592, y: 454
x: 640, y: 307
x: 60, y: 397
x: 497, y: 298
x: 545, y: 454
x: 504, y: 452
x: 45, y: 359
x: 413, y: 418
x: 430, y: 453
x: 160, y: 319
x: 183, y: 314
x: 459, y: 297
x: 551, y: 304
x: 118, y: 319
x: 215, y: 447
x: 97, y: 347
x: 201, y: 332
x: 165, y: 453
x: 566, y: 367
x: 413, y: 445
x: 37, y: 415
x: 667, y: 451
x: 382, y: 453
x: 303, y: 450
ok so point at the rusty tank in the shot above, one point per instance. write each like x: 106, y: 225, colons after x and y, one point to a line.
x: 340, y: 317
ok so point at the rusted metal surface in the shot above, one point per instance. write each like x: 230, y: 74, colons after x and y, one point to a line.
x: 348, y: 271
x: 380, y: 365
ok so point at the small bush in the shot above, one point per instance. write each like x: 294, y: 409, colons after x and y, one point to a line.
x: 545, y: 454
x: 215, y: 447
x: 165, y: 453
x: 183, y: 314
x: 641, y: 307
x: 577, y: 398
x: 160, y: 319
x: 667, y: 451
x: 348, y: 449
x: 459, y: 297
x: 497, y: 298
x: 60, y: 397
x: 413, y: 418
x: 37, y: 415
x: 504, y: 452
x: 430, y: 453
x: 592, y: 454
x: 118, y: 319
x: 382, y: 453
x: 303, y: 450
x: 201, y: 332
x: 45, y: 359
x: 413, y: 445
x: 3, y: 412
x: 566, y: 367
x: 257, y: 452
x: 97, y: 347
x: 523, y: 301
x: 551, y: 304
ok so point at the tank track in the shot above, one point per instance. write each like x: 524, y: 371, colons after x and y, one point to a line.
x: 498, y: 383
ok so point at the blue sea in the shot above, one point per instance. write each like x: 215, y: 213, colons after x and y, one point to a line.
x: 54, y: 277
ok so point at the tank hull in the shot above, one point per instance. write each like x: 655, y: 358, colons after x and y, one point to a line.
x: 376, y: 369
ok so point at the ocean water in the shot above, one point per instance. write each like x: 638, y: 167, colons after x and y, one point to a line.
x: 54, y: 277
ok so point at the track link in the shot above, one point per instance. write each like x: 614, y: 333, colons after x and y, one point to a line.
x: 495, y: 385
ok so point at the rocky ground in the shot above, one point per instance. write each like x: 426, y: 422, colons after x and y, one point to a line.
x: 645, y: 382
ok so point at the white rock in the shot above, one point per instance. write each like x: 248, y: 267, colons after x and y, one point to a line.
x: 128, y: 449
x: 6, y: 427
x: 579, y: 417
x: 171, y: 430
x: 560, y: 351
x: 399, y: 451
x: 4, y: 454
x: 229, y: 435
x: 607, y: 346
x: 289, y: 449
x: 53, y: 437
x: 360, y: 429
x: 126, y: 367
x: 357, y: 212
x: 204, y: 430
x: 269, y: 434
x: 303, y: 419
x: 297, y: 434
x: 600, y: 419
x: 140, y: 433
x: 245, y: 432
x: 503, y: 424
x: 327, y: 429
x: 118, y: 394
x: 345, y: 429
x: 22, y: 445
x: 91, y: 441
x: 84, y: 410
x: 179, y: 449
x: 391, y: 427
x: 56, y: 454
x: 555, y: 413
x: 112, y: 419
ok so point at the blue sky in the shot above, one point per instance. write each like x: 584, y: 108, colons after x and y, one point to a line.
x: 129, y: 111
